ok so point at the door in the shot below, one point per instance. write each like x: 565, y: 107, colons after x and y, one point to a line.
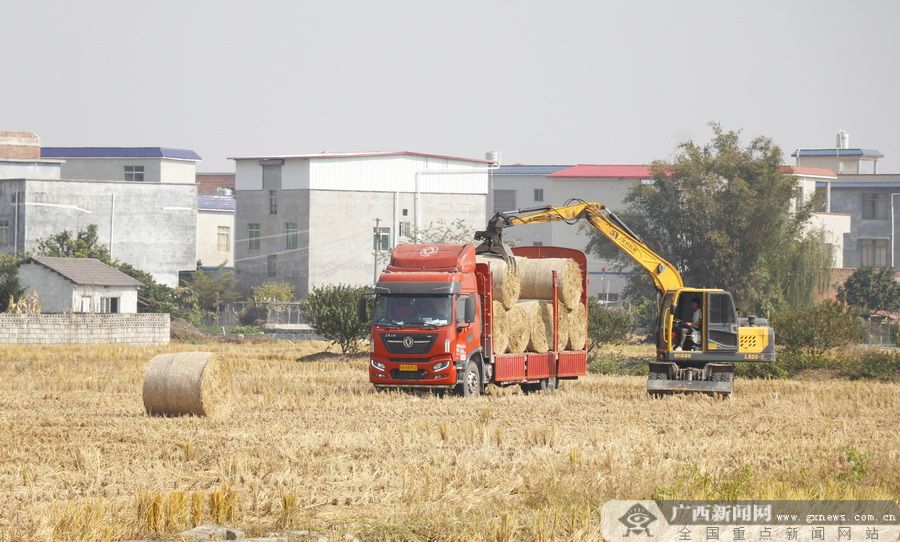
x: 664, y: 324
x: 721, y: 323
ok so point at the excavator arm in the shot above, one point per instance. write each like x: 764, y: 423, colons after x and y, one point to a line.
x: 664, y: 275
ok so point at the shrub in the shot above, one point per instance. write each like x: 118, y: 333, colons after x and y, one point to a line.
x: 872, y: 363
x: 332, y: 313
x: 816, y: 330
x: 608, y: 325
x: 273, y: 291
x: 871, y: 289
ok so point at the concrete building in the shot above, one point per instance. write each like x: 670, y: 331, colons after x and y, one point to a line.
x: 311, y: 219
x: 835, y: 226
x: 149, y: 224
x: 520, y: 186
x: 215, y: 230
x: 872, y: 203
x: 82, y: 285
x: 131, y: 164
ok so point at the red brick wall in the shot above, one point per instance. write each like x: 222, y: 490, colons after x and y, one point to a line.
x: 20, y: 145
x: 209, y: 183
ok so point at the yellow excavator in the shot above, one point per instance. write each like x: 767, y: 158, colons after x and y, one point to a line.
x: 698, y: 334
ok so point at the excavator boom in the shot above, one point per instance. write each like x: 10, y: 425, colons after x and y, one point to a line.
x: 664, y: 275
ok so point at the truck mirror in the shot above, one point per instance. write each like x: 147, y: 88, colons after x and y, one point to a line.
x: 361, y: 309
x: 470, y: 309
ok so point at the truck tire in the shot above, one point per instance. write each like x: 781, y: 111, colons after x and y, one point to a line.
x: 549, y: 384
x: 471, y: 381
x: 545, y: 384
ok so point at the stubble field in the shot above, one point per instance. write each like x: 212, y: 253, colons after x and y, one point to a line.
x: 309, y: 445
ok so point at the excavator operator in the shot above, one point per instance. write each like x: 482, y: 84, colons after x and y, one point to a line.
x: 690, y: 330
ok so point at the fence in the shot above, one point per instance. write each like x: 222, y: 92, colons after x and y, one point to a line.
x: 77, y: 328
x: 877, y: 331
x: 278, y: 313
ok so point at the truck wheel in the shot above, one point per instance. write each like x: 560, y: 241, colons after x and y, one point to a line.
x: 471, y: 381
x: 548, y: 384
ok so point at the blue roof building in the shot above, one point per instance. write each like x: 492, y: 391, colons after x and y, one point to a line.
x: 130, y: 164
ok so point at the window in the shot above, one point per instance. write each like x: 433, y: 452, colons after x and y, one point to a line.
x: 504, y: 200
x: 405, y: 230
x: 538, y: 194
x: 273, y: 202
x: 875, y: 206
x: 405, y: 212
x: 290, y: 236
x: 538, y: 244
x: 382, y: 239
x: 109, y: 305
x: 873, y: 252
x: 224, y: 239
x: 272, y: 265
x: 134, y: 173
x: 4, y: 232
x: 721, y: 310
x: 253, y: 236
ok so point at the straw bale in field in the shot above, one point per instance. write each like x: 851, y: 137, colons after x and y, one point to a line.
x: 506, y: 283
x: 576, y: 320
x: 501, y: 329
x: 187, y: 383
x: 536, y: 277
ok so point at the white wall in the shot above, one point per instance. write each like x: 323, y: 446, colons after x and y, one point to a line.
x: 398, y: 173
x: 247, y: 175
x: 208, y: 223
x: 156, y: 170
x: 30, y: 169
x: 178, y: 171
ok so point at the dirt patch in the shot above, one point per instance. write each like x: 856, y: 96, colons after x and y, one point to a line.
x: 183, y: 331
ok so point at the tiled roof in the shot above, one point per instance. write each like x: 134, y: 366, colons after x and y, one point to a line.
x: 362, y: 155
x: 118, y: 152
x: 525, y: 169
x: 864, y: 153
x: 86, y: 271
x: 808, y: 171
x: 215, y: 203
x: 605, y: 171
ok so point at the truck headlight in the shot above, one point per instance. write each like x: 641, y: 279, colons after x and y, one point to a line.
x: 378, y: 365
x: 440, y: 366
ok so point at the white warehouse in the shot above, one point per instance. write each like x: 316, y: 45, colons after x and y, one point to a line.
x: 310, y: 219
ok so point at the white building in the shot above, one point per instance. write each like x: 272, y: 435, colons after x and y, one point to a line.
x: 309, y: 219
x: 215, y: 230
x: 834, y: 226
x: 78, y: 285
x: 132, y: 164
x: 523, y: 186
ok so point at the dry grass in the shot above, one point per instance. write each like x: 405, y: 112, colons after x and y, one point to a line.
x: 309, y: 445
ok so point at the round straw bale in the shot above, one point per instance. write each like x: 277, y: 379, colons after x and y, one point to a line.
x: 577, y: 327
x: 519, y: 329
x: 187, y: 383
x: 501, y: 328
x: 540, y: 324
x: 536, y: 276
x: 506, y: 283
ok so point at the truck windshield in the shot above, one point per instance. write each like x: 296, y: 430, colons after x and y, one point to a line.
x: 422, y: 310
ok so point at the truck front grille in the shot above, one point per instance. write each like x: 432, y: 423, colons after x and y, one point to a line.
x: 408, y: 343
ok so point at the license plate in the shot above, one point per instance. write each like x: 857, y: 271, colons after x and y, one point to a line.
x: 408, y: 367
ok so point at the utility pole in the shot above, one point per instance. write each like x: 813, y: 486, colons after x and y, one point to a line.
x: 377, y: 238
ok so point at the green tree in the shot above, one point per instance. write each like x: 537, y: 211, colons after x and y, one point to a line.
x: 81, y: 244
x: 332, y: 313
x: 722, y: 214
x: 871, y: 289
x: 9, y: 280
x: 273, y: 291
x: 818, y: 329
x: 440, y: 231
x: 214, y: 289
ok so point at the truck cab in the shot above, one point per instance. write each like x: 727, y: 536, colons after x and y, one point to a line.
x: 426, y: 319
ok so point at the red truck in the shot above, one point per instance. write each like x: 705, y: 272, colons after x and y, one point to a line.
x: 432, y: 325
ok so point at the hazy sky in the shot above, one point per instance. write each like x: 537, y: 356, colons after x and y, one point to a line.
x: 543, y: 82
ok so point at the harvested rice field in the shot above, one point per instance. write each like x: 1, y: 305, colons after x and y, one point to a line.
x: 309, y: 445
